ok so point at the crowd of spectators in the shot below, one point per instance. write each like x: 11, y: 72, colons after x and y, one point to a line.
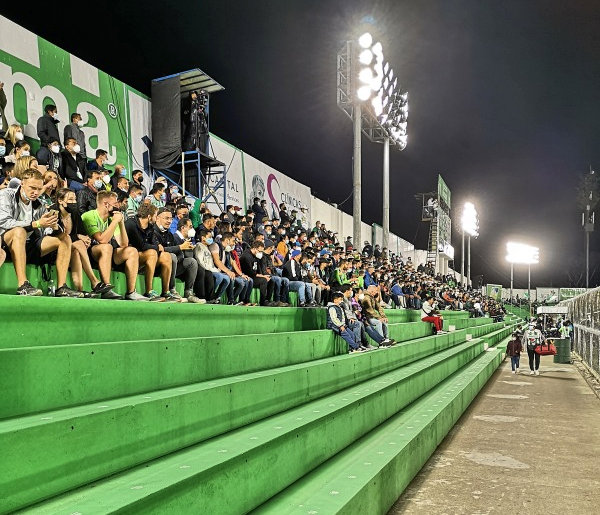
x: 59, y: 207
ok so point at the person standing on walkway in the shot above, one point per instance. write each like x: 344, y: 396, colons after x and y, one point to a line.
x: 532, y: 338
x: 513, y: 349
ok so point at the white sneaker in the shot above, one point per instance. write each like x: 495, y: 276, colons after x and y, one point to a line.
x: 517, y: 371
x: 537, y: 372
x: 134, y: 295
x: 531, y: 372
x: 513, y: 371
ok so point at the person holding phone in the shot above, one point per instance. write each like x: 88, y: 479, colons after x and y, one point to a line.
x: 30, y: 233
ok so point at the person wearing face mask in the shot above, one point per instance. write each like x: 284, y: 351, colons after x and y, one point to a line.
x: 86, y: 197
x: 374, y: 314
x: 284, y: 217
x: 50, y: 156
x: 230, y: 215
x: 292, y: 270
x: 99, y: 162
x: 73, y: 130
x: 21, y: 149
x: 185, y: 268
x: 137, y: 178
x: 72, y: 165
x: 250, y: 261
x: 181, y: 211
x: 134, y: 201
x: 204, y: 256
x: 47, y: 130
x: 241, y: 285
x: 110, y: 242
x: 13, y: 134
x: 122, y: 185
x: 205, y: 282
x: 2, y: 154
x: 119, y: 173
x: 141, y: 232
x: 69, y: 222
x: 29, y: 232
x: 157, y: 195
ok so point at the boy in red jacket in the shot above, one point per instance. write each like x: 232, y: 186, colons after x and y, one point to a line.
x: 513, y: 349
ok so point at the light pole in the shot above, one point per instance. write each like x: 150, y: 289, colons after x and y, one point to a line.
x: 470, y: 226
x: 520, y: 253
x: 367, y: 91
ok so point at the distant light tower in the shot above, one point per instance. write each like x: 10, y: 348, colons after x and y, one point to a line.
x: 521, y: 254
x: 588, y: 199
x: 470, y: 225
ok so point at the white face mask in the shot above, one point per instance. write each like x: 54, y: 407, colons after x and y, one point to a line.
x: 76, y: 149
x: 229, y: 248
x: 55, y: 148
x: 191, y: 233
x: 106, y: 179
x: 25, y: 153
x: 19, y: 136
x: 361, y: 296
x: 259, y: 255
x: 80, y: 123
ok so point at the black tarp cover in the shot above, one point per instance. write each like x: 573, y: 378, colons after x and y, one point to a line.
x: 166, y: 123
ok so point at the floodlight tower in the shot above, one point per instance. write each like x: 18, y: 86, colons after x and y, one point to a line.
x: 519, y: 253
x: 366, y: 92
x: 470, y: 226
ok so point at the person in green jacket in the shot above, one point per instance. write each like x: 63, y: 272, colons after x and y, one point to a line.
x: 195, y: 215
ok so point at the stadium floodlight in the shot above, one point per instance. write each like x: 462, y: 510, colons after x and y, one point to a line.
x: 364, y: 93
x: 365, y: 57
x: 522, y: 254
x: 469, y: 221
x: 519, y: 253
x: 366, y: 40
x: 365, y: 75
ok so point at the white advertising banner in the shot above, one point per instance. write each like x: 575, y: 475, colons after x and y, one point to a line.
x: 233, y: 159
x: 265, y: 182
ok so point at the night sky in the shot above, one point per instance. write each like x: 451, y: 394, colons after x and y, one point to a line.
x: 504, y: 103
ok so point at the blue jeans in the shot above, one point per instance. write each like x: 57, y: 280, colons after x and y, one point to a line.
x: 514, y: 362
x: 221, y: 283
x: 247, y: 291
x: 281, y: 288
x: 75, y: 186
x: 379, y: 327
x: 300, y: 288
x: 350, y: 338
x: 235, y: 289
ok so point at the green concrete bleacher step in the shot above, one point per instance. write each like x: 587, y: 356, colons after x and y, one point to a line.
x: 369, y: 475
x: 208, y: 409
x: 238, y: 471
x: 60, y: 321
x: 36, y: 379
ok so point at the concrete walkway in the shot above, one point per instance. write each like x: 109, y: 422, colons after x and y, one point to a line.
x: 526, y: 445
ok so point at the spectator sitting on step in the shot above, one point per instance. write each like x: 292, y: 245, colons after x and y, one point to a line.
x: 250, y: 260
x: 183, y: 267
x: 69, y: 222
x: 110, y: 243
x: 122, y: 184
x: 99, y: 162
x: 397, y: 294
x: 158, y: 195
x: 25, y: 227
x: 12, y: 135
x: 336, y: 321
x: 240, y: 288
x: 21, y: 149
x: 72, y: 165
x: 137, y: 178
x: 50, y: 188
x: 429, y: 314
x: 86, y: 197
x: 181, y: 211
x: 49, y: 155
x: 205, y: 282
x: 204, y: 256
x: 151, y: 256
x: 374, y: 314
x: 292, y: 270
x: 355, y: 325
x: 134, y: 200
x: 273, y: 266
x: 73, y: 131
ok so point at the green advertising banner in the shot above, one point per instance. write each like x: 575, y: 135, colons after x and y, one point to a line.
x: 494, y: 291
x: 35, y: 73
x: 569, y: 293
x: 444, y: 192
